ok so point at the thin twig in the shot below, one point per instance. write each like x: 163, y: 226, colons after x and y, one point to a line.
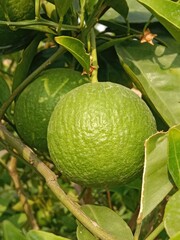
x: 12, y: 169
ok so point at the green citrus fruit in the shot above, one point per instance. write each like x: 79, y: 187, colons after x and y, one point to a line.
x: 96, y: 134
x: 11, y: 10
x: 36, y: 103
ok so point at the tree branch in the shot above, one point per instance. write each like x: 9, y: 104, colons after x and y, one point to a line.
x: 51, y: 179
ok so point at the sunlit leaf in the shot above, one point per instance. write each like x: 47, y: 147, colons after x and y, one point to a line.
x: 11, y: 232
x: 156, y: 72
x: 50, y: 10
x: 176, y: 236
x: 156, y: 184
x: 108, y: 220
x: 41, y: 235
x: 76, y: 48
x: 167, y: 12
x: 172, y: 215
x: 174, y: 154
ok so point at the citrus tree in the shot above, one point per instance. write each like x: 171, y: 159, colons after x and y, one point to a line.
x: 89, y: 119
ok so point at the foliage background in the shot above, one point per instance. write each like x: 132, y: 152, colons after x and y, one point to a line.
x: 147, y: 61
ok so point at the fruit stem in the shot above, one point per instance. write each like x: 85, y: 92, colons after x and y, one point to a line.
x: 18, y: 147
x: 29, y: 79
x: 94, y: 62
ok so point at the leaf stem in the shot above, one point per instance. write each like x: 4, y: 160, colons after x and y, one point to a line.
x: 99, y: 9
x: 41, y: 22
x: 156, y: 232
x: 37, y: 9
x: 148, y: 22
x: 137, y: 232
x: 112, y: 42
x: 51, y: 180
x: 29, y: 79
x: 94, y: 66
x: 82, y: 14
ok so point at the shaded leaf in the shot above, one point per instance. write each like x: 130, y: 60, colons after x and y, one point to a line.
x: 155, y: 71
x: 62, y: 6
x: 18, y: 219
x: 167, y: 12
x: 120, y: 6
x: 41, y: 235
x: 172, y: 215
x: 174, y: 154
x: 155, y: 171
x: 3, y: 205
x: 76, y: 48
x: 89, y: 5
x: 4, y: 88
x: 108, y: 220
x: 27, y: 57
x: 137, y: 13
x: 111, y: 70
x: 11, y: 232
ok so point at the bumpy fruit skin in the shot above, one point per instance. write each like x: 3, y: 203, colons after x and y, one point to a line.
x: 97, y: 132
x: 36, y: 103
x: 12, y: 10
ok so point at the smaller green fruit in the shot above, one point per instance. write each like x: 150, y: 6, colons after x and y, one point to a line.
x: 36, y: 103
x: 11, y: 38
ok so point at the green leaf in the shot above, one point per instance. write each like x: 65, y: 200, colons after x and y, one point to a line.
x: 27, y: 57
x: 50, y: 10
x: 174, y: 154
x: 41, y: 235
x: 155, y: 71
x: 108, y: 220
x: 137, y: 13
x: 111, y: 70
x: 156, y: 184
x: 11, y: 232
x: 89, y: 5
x: 172, y: 215
x: 167, y: 12
x: 4, y: 88
x: 3, y: 205
x: 62, y: 6
x: 76, y: 48
x: 120, y: 6
x: 18, y: 219
x: 176, y: 236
